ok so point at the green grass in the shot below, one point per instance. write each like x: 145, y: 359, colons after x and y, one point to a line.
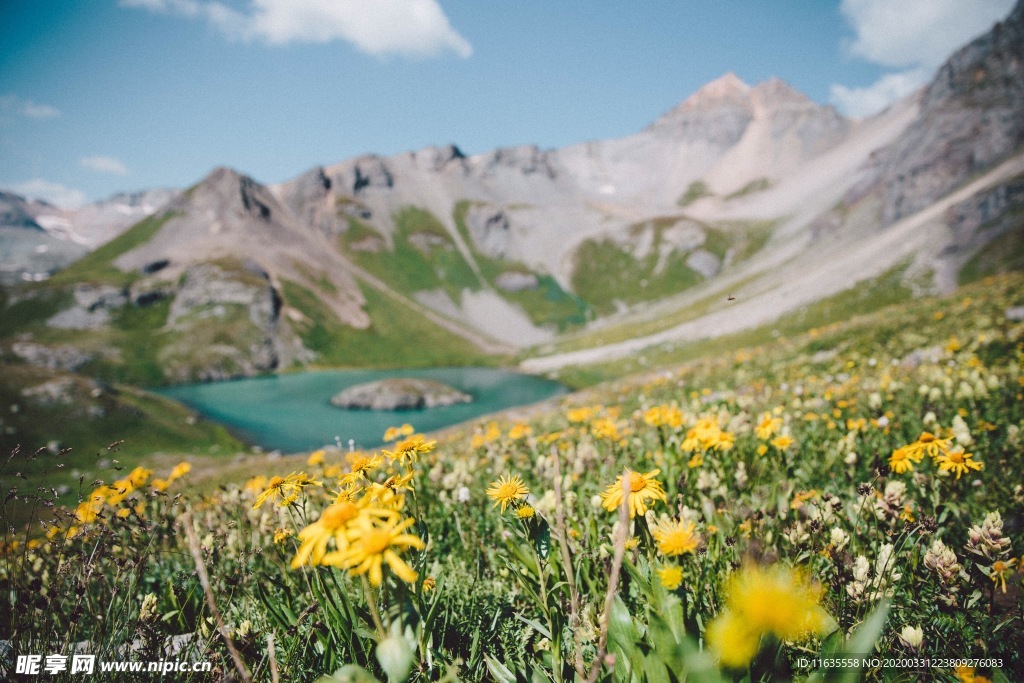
x: 147, y: 424
x: 697, y: 190
x: 34, y: 306
x: 399, y: 336
x: 752, y: 236
x: 606, y: 272
x: 1003, y: 254
x: 98, y: 266
x: 407, y: 268
x: 878, y: 293
x: 548, y: 304
x: 756, y: 185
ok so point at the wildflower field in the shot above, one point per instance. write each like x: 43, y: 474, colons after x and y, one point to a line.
x: 843, y: 504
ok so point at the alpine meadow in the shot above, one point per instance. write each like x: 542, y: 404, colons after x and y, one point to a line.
x: 736, y: 397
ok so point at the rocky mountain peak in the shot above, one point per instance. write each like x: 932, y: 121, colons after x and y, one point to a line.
x: 729, y: 88
x: 228, y: 188
x: 776, y: 93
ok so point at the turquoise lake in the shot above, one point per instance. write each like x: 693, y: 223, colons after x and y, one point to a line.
x: 292, y: 412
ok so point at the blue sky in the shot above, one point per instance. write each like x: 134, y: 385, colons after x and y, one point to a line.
x: 109, y: 95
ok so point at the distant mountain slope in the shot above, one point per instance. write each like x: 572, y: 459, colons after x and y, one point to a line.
x: 748, y: 190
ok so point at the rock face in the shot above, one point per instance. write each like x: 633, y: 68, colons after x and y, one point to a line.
x: 226, y: 320
x: 399, y: 394
x: 970, y: 121
x: 27, y: 251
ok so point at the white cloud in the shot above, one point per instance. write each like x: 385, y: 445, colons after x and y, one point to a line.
x: 17, y: 105
x: 914, y: 36
x: 858, y: 102
x: 104, y: 164
x: 54, y: 193
x: 412, y: 28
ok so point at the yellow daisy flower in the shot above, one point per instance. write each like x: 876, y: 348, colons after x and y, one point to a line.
x: 525, y: 512
x: 371, y: 544
x: 410, y: 448
x: 671, y: 576
x: 675, y: 537
x: 958, y: 462
x: 903, y: 459
x: 642, y: 488
x: 507, y: 490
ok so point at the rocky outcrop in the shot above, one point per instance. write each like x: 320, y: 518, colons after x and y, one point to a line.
x: 516, y: 281
x: 27, y: 251
x: 716, y: 114
x: 371, y: 172
x: 490, y: 229
x: 399, y: 394
x: 975, y: 222
x: 62, y: 357
x: 92, y: 307
x: 226, y: 322
x: 526, y: 159
x: 972, y: 118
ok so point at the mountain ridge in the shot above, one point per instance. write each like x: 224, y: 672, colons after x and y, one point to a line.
x: 736, y: 186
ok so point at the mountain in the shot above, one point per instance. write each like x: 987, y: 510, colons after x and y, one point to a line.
x: 435, y: 256
x: 38, y: 239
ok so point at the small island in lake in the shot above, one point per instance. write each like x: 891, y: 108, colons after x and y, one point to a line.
x: 399, y: 394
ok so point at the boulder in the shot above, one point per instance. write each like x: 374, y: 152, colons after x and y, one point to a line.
x: 399, y: 394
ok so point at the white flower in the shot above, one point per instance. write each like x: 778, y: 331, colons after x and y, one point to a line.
x: 838, y: 538
x: 463, y: 495
x: 961, y: 433
x: 741, y: 475
x: 861, y: 568
x: 912, y: 636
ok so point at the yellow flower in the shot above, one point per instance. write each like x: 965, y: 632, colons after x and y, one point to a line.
x: 282, y: 535
x: 768, y: 426
x: 903, y: 459
x: 256, y: 484
x: 525, y: 512
x: 776, y: 600
x: 604, y: 428
x: 663, y: 415
x: 394, y: 433
x: 400, y: 482
x: 507, y: 490
x: 782, y: 442
x: 519, y: 431
x: 287, y: 489
x: 180, y: 470
x: 576, y: 415
x: 696, y: 460
x: 675, y: 537
x: 410, y: 448
x: 372, y: 544
x: 999, y: 571
x: 958, y: 462
x: 139, y: 476
x: 315, y: 458
x: 965, y: 674
x: 671, y: 576
x: 642, y: 488
x: 359, y: 465
x: 429, y: 584
x: 333, y: 526
x: 801, y: 497
x: 735, y: 641
x: 929, y: 444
